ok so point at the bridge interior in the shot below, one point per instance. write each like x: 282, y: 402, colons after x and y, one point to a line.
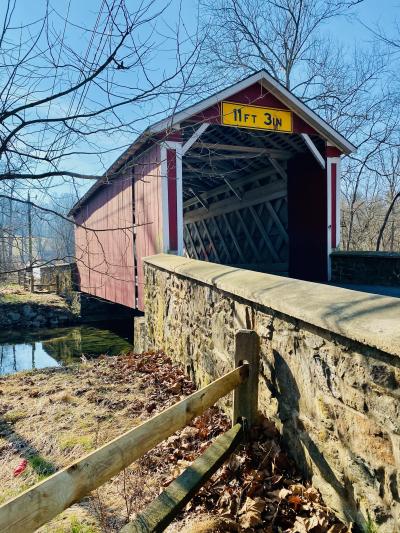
x: 240, y: 207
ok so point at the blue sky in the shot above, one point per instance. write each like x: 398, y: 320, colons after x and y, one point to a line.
x: 83, y: 12
x: 370, y: 12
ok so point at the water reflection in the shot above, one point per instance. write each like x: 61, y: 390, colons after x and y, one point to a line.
x: 55, y: 347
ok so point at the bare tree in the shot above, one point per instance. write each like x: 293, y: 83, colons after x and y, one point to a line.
x: 348, y: 88
x: 390, y: 175
x: 390, y: 163
x: 64, y: 99
x: 282, y: 36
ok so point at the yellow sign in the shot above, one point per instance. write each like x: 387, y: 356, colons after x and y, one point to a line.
x: 256, y: 117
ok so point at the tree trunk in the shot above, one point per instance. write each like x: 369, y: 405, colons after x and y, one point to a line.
x: 385, y: 221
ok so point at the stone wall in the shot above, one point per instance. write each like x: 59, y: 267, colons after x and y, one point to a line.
x: 35, y: 310
x: 34, y: 315
x: 366, y: 268
x: 64, y: 277
x: 330, y: 369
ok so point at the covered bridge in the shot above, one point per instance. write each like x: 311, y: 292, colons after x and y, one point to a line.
x: 249, y: 177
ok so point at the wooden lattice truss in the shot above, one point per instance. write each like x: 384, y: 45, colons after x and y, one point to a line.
x: 235, y: 208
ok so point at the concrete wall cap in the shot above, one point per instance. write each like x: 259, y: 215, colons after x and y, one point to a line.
x: 370, y: 319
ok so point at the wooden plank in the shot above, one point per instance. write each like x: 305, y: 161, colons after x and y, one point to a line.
x: 39, y: 504
x: 278, y: 205
x: 248, y: 236
x: 264, y: 233
x: 232, y: 188
x: 221, y: 239
x: 203, y: 248
x: 314, y: 150
x: 187, y: 228
x: 278, y: 167
x: 224, y: 157
x: 237, y: 182
x: 245, y: 396
x: 271, y: 191
x: 209, y: 237
x: 277, y: 221
x: 216, y: 147
x: 196, y: 135
x: 233, y: 237
x: 199, y: 199
x: 160, y: 513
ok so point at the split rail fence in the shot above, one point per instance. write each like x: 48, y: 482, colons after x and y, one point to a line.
x: 41, y: 503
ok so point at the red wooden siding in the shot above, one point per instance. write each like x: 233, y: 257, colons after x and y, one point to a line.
x: 148, y: 211
x: 110, y: 262
x: 105, y: 257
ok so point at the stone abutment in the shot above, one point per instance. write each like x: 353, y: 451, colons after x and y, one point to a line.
x: 329, y: 370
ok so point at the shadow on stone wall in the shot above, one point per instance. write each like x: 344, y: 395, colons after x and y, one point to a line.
x: 301, y: 445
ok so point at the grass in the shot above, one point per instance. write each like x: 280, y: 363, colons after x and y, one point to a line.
x: 72, y: 441
x: 78, y: 527
x: 13, y: 293
x: 75, y: 525
x: 78, y: 409
x: 370, y: 526
x: 14, y: 415
x: 41, y: 466
x: 9, y: 493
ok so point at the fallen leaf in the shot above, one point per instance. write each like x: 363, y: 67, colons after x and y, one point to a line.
x: 340, y: 528
x: 189, y: 432
x: 177, y: 387
x: 295, y: 501
x: 297, y: 488
x: 300, y: 526
x: 250, y: 513
x: 312, y: 494
x: 150, y: 407
x: 283, y: 493
x: 274, y: 480
x: 235, y: 462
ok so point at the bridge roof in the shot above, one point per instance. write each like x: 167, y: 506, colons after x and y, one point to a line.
x: 198, y: 110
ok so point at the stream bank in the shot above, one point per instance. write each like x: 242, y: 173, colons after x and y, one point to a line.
x: 29, y: 349
x: 20, y: 308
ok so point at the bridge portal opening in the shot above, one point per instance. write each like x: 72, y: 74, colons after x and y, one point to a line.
x: 254, y: 199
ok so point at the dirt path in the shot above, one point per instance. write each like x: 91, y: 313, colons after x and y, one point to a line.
x: 52, y: 417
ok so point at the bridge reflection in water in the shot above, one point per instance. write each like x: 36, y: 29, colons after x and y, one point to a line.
x: 55, y: 347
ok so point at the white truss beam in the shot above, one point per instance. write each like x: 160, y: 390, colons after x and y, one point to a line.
x: 313, y: 149
x: 196, y: 135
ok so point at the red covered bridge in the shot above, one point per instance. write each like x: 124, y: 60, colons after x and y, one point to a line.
x: 248, y: 177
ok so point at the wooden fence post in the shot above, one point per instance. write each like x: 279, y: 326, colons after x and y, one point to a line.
x: 245, y: 396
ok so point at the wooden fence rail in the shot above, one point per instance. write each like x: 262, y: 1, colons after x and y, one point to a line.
x: 41, y: 503
x: 160, y: 513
